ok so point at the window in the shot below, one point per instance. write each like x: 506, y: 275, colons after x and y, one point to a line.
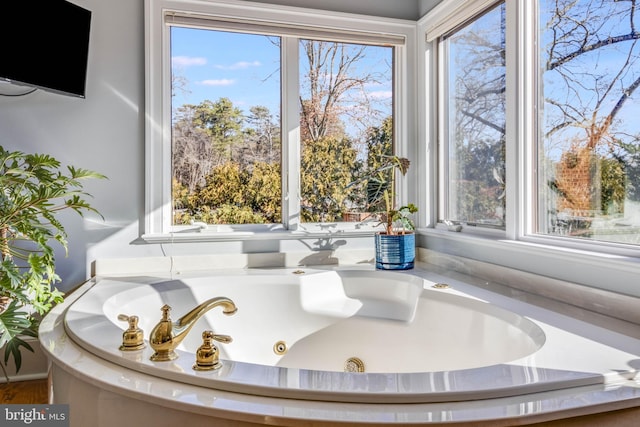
x: 262, y: 119
x: 346, y: 93
x: 226, y: 145
x: 583, y: 149
x: 589, y: 136
x: 558, y: 94
x: 473, y: 149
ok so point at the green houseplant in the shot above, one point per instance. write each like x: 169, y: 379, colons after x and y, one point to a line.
x: 33, y: 190
x: 395, y: 246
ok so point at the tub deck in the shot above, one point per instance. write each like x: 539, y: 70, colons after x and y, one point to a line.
x: 579, y: 368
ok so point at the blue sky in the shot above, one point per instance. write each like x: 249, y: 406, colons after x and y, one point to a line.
x: 245, y: 69
x: 241, y: 67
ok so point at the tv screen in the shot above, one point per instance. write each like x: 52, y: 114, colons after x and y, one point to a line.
x: 46, y: 45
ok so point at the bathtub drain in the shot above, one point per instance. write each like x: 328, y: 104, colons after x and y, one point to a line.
x: 354, y: 364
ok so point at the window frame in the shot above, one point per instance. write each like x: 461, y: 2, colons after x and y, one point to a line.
x: 444, y: 118
x: 602, y: 265
x: 346, y: 27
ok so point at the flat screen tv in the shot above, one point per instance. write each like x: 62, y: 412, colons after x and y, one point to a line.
x: 45, y: 44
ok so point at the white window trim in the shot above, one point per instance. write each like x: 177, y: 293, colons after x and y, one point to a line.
x: 597, y: 264
x: 157, y: 223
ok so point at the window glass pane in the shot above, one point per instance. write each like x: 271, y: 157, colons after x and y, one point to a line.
x: 346, y: 94
x: 225, y: 127
x: 589, y: 151
x: 474, y: 149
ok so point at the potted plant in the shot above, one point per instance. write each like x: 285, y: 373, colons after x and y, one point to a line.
x: 395, y: 246
x: 33, y: 190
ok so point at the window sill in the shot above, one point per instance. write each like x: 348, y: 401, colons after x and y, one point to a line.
x: 227, y: 236
x: 599, y: 269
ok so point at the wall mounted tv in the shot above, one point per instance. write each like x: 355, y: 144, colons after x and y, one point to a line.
x: 46, y: 46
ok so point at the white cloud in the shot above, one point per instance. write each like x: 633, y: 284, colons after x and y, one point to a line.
x: 239, y: 65
x: 188, y: 61
x: 218, y: 82
x: 382, y: 94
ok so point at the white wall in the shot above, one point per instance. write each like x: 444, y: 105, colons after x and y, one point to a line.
x: 105, y: 132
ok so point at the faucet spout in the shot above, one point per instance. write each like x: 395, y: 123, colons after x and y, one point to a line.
x: 168, y: 335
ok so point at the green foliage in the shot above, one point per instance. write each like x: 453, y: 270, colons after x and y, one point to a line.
x: 477, y: 202
x: 216, y: 189
x: 231, y: 214
x: 381, y: 190
x: 263, y: 191
x: 179, y: 194
x: 233, y: 195
x: 33, y: 190
x: 630, y: 161
x: 13, y: 325
x: 223, y: 186
x: 379, y: 179
x: 612, y: 186
x: 379, y: 145
x: 328, y: 165
x: 480, y: 180
x: 223, y: 123
x: 402, y: 216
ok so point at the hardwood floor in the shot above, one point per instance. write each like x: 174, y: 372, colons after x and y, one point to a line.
x: 35, y: 391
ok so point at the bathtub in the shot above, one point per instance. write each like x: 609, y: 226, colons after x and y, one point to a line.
x: 328, y: 345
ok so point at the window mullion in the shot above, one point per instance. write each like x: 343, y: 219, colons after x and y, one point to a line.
x: 443, y: 135
x: 515, y: 119
x: 290, y: 133
x: 521, y: 119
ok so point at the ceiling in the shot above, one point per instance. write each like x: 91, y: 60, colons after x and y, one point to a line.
x: 399, y: 9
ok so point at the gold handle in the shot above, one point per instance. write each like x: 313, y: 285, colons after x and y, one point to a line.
x: 226, y: 339
x: 132, y: 337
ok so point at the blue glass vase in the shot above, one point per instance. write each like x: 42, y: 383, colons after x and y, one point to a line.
x: 395, y: 252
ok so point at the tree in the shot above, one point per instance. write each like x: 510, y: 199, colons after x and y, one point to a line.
x: 589, y: 54
x: 192, y: 152
x: 588, y: 92
x: 223, y: 124
x: 334, y: 85
x: 334, y: 96
x: 226, y: 164
x: 592, y: 70
x: 223, y: 186
x: 379, y: 146
x: 328, y: 167
x: 204, y: 136
x: 478, y: 82
x: 264, y: 191
x: 261, y: 138
x: 220, y: 171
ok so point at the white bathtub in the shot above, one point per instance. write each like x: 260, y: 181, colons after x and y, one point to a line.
x: 421, y: 344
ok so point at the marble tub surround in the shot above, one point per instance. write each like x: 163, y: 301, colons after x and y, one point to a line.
x: 610, y: 310
x: 612, y: 385
x: 191, y: 263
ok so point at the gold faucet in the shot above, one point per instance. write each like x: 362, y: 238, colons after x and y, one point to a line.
x: 167, y: 335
